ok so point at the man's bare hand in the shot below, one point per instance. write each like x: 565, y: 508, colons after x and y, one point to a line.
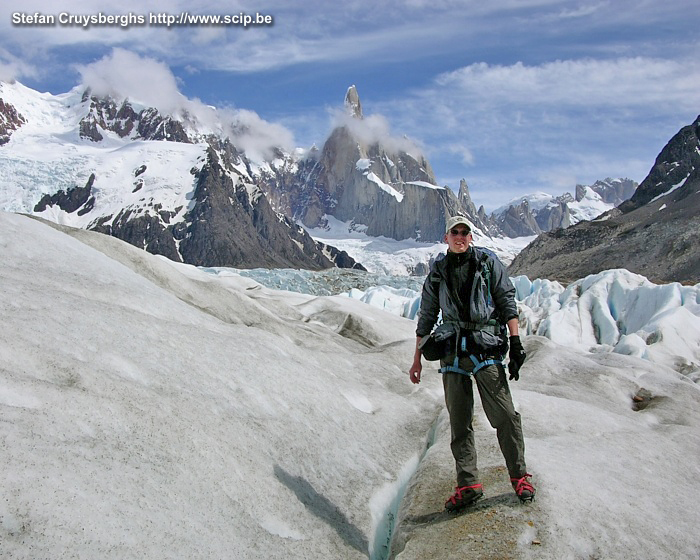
x: 415, y: 371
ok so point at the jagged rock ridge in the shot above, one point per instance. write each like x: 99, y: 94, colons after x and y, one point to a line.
x: 611, y: 191
x: 106, y: 114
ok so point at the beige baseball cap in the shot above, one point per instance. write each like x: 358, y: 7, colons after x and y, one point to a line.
x: 455, y: 220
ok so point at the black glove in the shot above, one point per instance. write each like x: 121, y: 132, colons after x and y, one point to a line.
x: 517, y: 357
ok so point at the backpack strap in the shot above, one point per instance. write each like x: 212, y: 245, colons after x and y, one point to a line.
x: 483, y: 267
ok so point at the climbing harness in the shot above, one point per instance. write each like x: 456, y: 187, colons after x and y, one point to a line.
x: 462, y: 349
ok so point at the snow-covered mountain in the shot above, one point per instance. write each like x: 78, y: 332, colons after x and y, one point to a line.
x: 178, y: 184
x: 540, y: 212
x: 154, y: 409
x: 174, y: 185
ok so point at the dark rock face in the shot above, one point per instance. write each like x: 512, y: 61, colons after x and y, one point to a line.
x: 10, y: 120
x: 146, y: 231
x: 554, y: 216
x: 154, y: 126
x: 76, y: 199
x: 653, y: 234
x: 382, y: 194
x: 226, y: 227
x: 340, y: 258
x: 230, y: 224
x: 678, y: 159
x: 290, y: 194
x: 518, y: 221
x: 387, y: 192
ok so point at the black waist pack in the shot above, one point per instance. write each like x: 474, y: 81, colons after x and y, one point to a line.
x: 447, y: 339
x: 487, y: 343
x: 439, y: 343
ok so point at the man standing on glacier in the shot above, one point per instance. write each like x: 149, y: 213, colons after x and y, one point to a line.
x: 479, y: 318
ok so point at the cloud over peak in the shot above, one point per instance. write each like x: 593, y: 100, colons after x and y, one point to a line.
x: 375, y: 129
x: 123, y: 74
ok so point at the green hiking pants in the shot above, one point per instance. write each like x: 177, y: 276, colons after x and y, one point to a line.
x: 498, y: 406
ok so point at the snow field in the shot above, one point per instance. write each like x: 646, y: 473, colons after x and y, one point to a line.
x: 142, y: 415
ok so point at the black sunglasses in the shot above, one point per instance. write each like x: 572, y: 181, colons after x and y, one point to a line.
x: 463, y: 232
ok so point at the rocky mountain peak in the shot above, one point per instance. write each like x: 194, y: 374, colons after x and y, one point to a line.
x: 673, y: 166
x: 464, y: 190
x: 352, y: 103
x: 477, y: 217
x: 518, y: 220
x: 107, y: 114
x: 373, y: 182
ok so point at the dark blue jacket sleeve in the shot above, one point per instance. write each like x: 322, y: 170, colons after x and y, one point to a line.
x: 429, y: 305
x: 503, y: 292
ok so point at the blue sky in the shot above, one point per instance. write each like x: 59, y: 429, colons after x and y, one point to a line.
x: 513, y: 96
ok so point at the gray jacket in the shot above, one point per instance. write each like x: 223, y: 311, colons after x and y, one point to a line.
x: 495, y: 302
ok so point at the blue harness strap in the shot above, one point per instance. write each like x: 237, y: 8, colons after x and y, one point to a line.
x: 454, y: 368
x: 482, y: 364
x: 478, y: 364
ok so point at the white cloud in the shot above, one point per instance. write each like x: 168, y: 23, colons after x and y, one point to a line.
x: 375, y: 129
x: 313, y: 32
x: 330, y: 32
x: 257, y: 137
x: 581, y: 11
x: 124, y: 74
x: 523, y: 127
x: 145, y: 81
x: 584, y: 83
x: 12, y: 68
x: 462, y: 151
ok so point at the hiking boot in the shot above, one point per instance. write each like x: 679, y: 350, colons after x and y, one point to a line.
x: 464, y: 496
x: 523, y: 488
